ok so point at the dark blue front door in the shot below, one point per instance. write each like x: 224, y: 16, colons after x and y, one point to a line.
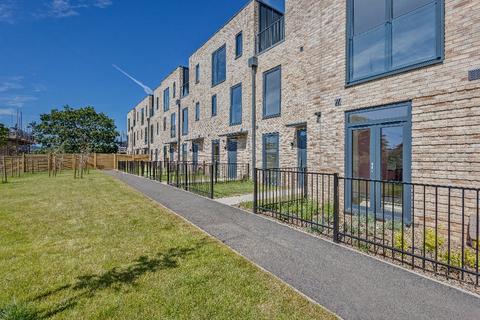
x: 301, y: 153
x: 232, y: 158
x: 195, y: 148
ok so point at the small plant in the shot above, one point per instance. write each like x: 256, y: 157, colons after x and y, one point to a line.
x: 18, y: 311
x: 401, y: 244
x: 431, y: 240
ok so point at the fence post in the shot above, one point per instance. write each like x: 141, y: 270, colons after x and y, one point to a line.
x: 178, y: 167
x: 186, y: 176
x: 336, y: 216
x: 4, y: 173
x: 23, y: 163
x: 115, y: 165
x: 212, y: 194
x: 255, y: 190
x: 95, y: 160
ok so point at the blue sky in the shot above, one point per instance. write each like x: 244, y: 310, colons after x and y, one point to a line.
x: 58, y: 52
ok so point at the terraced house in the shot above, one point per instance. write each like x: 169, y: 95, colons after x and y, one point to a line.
x: 373, y: 89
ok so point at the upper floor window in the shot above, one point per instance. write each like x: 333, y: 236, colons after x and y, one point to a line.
x: 164, y: 123
x: 236, y: 105
x: 128, y: 125
x: 158, y: 129
x: 197, y: 73
x: 185, y: 121
x: 166, y: 99
x: 173, y: 125
x: 271, y: 27
x: 238, y: 45
x: 388, y: 36
x: 174, y: 89
x: 272, y: 87
x: 158, y: 103
x: 197, y: 111
x: 143, y: 117
x: 219, y: 65
x: 214, y: 105
x: 151, y: 133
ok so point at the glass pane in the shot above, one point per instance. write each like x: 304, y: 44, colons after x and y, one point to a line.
x: 369, y: 53
x: 236, y: 111
x: 414, y: 37
x: 392, y: 166
x: 379, y: 114
x: 361, y: 167
x: 272, y: 92
x: 271, y: 151
x: 368, y: 14
x: 401, y: 7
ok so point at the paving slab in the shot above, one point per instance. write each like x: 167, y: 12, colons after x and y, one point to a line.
x: 351, y: 284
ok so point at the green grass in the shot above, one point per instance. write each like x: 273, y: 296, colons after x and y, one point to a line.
x: 95, y: 249
x: 232, y: 188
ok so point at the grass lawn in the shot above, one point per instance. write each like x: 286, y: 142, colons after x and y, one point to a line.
x: 95, y: 249
x: 232, y: 188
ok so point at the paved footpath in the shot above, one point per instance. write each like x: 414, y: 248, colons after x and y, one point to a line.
x: 352, y: 285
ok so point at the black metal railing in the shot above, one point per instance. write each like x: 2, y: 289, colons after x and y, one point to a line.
x: 429, y: 227
x: 271, y: 35
x: 208, y: 179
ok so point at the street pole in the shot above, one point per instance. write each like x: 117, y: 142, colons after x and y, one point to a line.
x: 253, y: 63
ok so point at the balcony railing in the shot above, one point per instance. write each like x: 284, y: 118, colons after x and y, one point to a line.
x: 271, y: 35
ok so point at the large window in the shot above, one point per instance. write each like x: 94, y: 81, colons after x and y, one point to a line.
x: 166, y: 99
x: 214, y: 105
x: 185, y: 121
x: 270, y: 151
x: 272, y: 87
x: 238, y: 45
x: 236, y: 105
x: 173, y: 125
x: 219, y: 65
x: 387, y: 36
x: 197, y: 111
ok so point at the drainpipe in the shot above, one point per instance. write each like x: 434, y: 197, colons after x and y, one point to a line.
x: 253, y: 63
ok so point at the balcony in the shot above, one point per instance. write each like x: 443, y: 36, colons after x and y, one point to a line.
x: 272, y: 35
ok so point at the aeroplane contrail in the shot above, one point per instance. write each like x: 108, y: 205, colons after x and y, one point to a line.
x: 145, y: 88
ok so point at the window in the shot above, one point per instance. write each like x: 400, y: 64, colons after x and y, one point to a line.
x: 214, y: 105
x: 272, y: 87
x: 219, y: 65
x: 173, y: 126
x: 185, y: 121
x: 236, y: 105
x: 143, y: 117
x: 197, y: 73
x: 158, y: 103
x: 158, y: 131
x: 197, y: 111
x: 270, y: 151
x: 271, y: 28
x: 128, y: 125
x: 145, y: 136
x: 151, y: 133
x: 164, y: 123
x: 387, y: 36
x: 166, y: 99
x: 238, y: 45
x: 174, y: 89
x: 184, y: 152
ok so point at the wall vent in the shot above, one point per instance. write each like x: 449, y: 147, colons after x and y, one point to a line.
x: 474, y: 75
x: 338, y: 102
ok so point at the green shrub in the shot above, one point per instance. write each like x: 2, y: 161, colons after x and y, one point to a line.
x: 18, y: 311
x: 456, y: 258
x: 431, y: 240
x: 401, y: 244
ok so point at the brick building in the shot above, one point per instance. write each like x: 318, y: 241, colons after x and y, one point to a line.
x: 375, y: 89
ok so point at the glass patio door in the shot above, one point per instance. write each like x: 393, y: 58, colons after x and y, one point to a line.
x: 378, y: 161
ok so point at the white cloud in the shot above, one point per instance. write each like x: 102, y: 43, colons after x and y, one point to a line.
x: 70, y: 8
x: 7, y: 11
x: 16, y: 101
x: 10, y: 83
x: 6, y: 112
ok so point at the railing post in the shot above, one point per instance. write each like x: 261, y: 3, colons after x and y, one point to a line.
x: 178, y: 167
x: 255, y: 190
x: 186, y: 176
x: 336, y: 216
x: 212, y: 168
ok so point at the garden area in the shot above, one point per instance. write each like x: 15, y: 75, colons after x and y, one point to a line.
x: 93, y: 248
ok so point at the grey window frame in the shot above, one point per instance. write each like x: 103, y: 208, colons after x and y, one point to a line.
x: 440, y: 46
x: 185, y: 121
x: 238, y: 49
x: 197, y: 111
x: 264, y: 150
x: 173, y: 125
x: 166, y: 99
x: 197, y: 73
x: 214, y: 114
x: 223, y: 47
x: 231, y: 104
x: 265, y: 116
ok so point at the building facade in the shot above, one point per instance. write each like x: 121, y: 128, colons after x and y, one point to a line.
x: 375, y: 89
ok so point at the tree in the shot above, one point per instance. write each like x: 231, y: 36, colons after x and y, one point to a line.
x: 3, y: 135
x: 75, y: 131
